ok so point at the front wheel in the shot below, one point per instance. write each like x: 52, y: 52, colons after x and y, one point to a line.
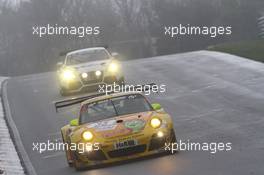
x: 173, y: 140
x: 68, y: 153
x: 77, y: 164
x: 173, y: 136
x: 69, y: 161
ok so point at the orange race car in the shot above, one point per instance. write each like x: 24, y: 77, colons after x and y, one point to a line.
x: 116, y: 127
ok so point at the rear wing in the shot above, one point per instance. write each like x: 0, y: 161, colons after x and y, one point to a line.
x: 77, y: 100
x: 64, y: 53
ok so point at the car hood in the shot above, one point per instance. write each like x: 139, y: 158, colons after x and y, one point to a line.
x: 120, y: 126
x: 91, y: 66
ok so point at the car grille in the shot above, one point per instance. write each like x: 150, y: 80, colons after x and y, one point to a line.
x: 127, y: 151
x: 92, y: 78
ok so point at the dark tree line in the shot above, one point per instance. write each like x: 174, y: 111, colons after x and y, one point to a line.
x: 134, y: 28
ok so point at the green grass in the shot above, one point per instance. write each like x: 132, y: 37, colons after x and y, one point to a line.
x: 250, y: 49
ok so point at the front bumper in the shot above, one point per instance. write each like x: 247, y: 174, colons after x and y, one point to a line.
x: 81, y: 84
x: 148, y: 144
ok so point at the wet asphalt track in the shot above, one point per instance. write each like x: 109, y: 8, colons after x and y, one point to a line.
x: 212, y: 97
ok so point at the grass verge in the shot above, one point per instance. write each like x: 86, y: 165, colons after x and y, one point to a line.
x: 250, y: 49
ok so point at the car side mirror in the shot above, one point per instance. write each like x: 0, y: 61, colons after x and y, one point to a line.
x: 74, y: 122
x: 156, y: 106
x: 59, y: 64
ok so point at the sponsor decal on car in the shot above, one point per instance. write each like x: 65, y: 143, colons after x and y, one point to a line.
x: 135, y: 125
x: 125, y: 144
x: 114, y: 133
x: 103, y: 125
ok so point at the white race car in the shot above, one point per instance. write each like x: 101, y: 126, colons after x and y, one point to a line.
x: 86, y: 69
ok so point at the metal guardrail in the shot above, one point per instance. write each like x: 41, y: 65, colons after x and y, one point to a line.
x: 64, y: 53
x: 261, y: 26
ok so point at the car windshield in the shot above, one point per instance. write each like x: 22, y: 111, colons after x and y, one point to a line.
x: 123, y: 105
x: 86, y: 56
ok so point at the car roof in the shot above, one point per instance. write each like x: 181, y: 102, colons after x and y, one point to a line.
x: 84, y: 50
x: 104, y: 97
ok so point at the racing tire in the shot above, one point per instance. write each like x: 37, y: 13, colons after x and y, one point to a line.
x: 174, y: 140
x: 68, y: 153
x: 77, y: 164
x: 173, y: 136
x: 70, y: 162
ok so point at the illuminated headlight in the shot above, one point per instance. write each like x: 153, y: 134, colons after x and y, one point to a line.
x: 113, y: 67
x: 155, y: 123
x: 87, y: 136
x: 160, y: 134
x: 84, y: 75
x: 68, y: 75
x: 98, y: 73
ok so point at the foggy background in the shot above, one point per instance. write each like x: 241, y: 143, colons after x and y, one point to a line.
x: 134, y: 28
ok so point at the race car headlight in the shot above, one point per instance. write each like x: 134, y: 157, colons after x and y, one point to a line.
x: 160, y: 134
x: 87, y: 136
x: 155, y: 123
x: 113, y: 67
x: 98, y: 73
x: 68, y: 75
x: 84, y: 75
